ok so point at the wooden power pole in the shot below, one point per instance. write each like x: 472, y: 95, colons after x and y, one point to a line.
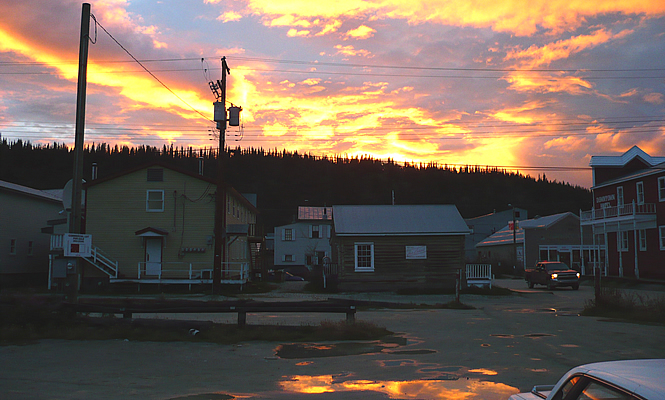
x: 220, y: 197
x: 75, y: 217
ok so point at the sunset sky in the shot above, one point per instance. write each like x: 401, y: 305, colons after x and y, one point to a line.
x: 534, y: 85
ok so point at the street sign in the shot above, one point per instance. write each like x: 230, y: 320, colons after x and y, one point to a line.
x: 77, y: 245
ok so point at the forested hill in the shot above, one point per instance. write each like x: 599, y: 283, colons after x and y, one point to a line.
x: 283, y: 181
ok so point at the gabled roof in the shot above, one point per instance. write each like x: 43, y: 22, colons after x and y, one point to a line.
x: 403, y: 220
x: 505, y: 235
x: 546, y: 222
x: 178, y: 170
x: 621, y: 161
x: 315, y: 213
x: 41, y: 194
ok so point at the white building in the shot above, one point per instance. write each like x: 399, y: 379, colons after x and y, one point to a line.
x: 305, y: 242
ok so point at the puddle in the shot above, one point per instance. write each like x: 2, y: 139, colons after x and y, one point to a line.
x: 311, y: 350
x: 501, y: 335
x: 316, y: 350
x: 423, y: 351
x: 204, y: 396
x: 537, y: 335
x: 468, y: 389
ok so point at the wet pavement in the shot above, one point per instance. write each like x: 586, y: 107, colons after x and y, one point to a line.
x: 506, y: 344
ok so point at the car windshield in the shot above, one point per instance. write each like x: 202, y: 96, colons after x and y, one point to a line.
x: 556, y: 267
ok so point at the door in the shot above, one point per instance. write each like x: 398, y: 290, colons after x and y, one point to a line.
x: 153, y: 256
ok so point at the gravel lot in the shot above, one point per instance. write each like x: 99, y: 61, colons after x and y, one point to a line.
x: 506, y: 344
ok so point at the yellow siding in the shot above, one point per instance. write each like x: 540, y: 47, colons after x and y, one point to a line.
x: 116, y: 209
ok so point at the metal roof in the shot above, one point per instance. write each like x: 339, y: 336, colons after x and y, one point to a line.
x: 625, y: 158
x: 402, y: 220
x: 30, y: 191
x: 315, y: 213
x: 505, y: 235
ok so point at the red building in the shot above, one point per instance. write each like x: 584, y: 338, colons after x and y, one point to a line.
x: 629, y: 214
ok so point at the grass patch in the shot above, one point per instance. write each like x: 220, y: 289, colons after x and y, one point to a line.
x: 29, y: 319
x: 618, y: 304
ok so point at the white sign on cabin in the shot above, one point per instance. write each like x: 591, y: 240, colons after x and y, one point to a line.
x: 77, y: 245
x: 416, y: 252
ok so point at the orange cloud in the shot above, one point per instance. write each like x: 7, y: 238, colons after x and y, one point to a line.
x: 361, y: 32
x: 535, y: 56
x: 503, y: 16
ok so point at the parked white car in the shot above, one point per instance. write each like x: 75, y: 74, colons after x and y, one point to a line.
x: 617, y: 380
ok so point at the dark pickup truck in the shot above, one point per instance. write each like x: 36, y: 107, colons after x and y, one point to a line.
x: 552, y: 274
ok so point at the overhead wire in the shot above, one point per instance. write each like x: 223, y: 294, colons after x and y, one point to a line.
x: 149, y: 72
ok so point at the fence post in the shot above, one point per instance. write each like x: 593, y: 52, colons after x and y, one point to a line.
x: 596, y: 281
x: 458, y: 284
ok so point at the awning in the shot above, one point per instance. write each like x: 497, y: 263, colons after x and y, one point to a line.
x: 151, y: 232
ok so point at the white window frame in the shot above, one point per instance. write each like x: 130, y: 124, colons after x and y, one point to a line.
x: 356, y: 257
x: 622, y: 240
x: 148, y: 201
x: 620, y: 201
x: 643, y: 239
x: 288, y: 238
x: 639, y: 187
x: 661, y: 236
x: 661, y: 188
x: 317, y: 229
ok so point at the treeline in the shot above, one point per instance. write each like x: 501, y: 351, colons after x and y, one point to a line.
x: 284, y: 180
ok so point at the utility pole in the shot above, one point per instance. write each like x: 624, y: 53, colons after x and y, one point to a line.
x: 220, y: 197
x: 75, y: 218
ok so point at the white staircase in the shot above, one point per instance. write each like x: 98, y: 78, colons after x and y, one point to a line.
x: 97, y: 258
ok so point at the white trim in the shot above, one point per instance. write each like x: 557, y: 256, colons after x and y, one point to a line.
x: 355, y: 256
x: 148, y: 201
x: 639, y: 188
x: 620, y: 198
x: 661, y: 188
x: 642, y: 238
x: 661, y: 236
x: 621, y: 241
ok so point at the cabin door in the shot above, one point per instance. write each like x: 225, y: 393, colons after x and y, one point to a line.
x: 153, y: 256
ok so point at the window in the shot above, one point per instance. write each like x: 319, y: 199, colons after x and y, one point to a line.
x: 640, y: 192
x: 289, y: 258
x: 288, y: 234
x: 596, y: 390
x: 622, y: 240
x: 30, y: 247
x: 643, y: 239
x: 155, y: 175
x: 364, y: 257
x: 154, y: 201
x: 620, y: 196
x: 661, y: 188
x: 314, y: 232
x: 661, y: 232
x: 12, y: 247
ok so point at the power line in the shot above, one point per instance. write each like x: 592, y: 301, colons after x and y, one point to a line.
x: 147, y: 70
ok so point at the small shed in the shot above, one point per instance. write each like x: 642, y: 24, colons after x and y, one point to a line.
x: 392, y: 247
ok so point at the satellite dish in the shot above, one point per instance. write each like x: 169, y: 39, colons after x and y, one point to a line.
x: 67, y: 195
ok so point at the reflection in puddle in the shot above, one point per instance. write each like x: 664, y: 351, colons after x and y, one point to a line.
x: 205, y: 396
x: 311, y: 350
x: 484, y: 371
x: 466, y: 389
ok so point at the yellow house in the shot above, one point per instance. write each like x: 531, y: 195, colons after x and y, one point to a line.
x: 155, y: 224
